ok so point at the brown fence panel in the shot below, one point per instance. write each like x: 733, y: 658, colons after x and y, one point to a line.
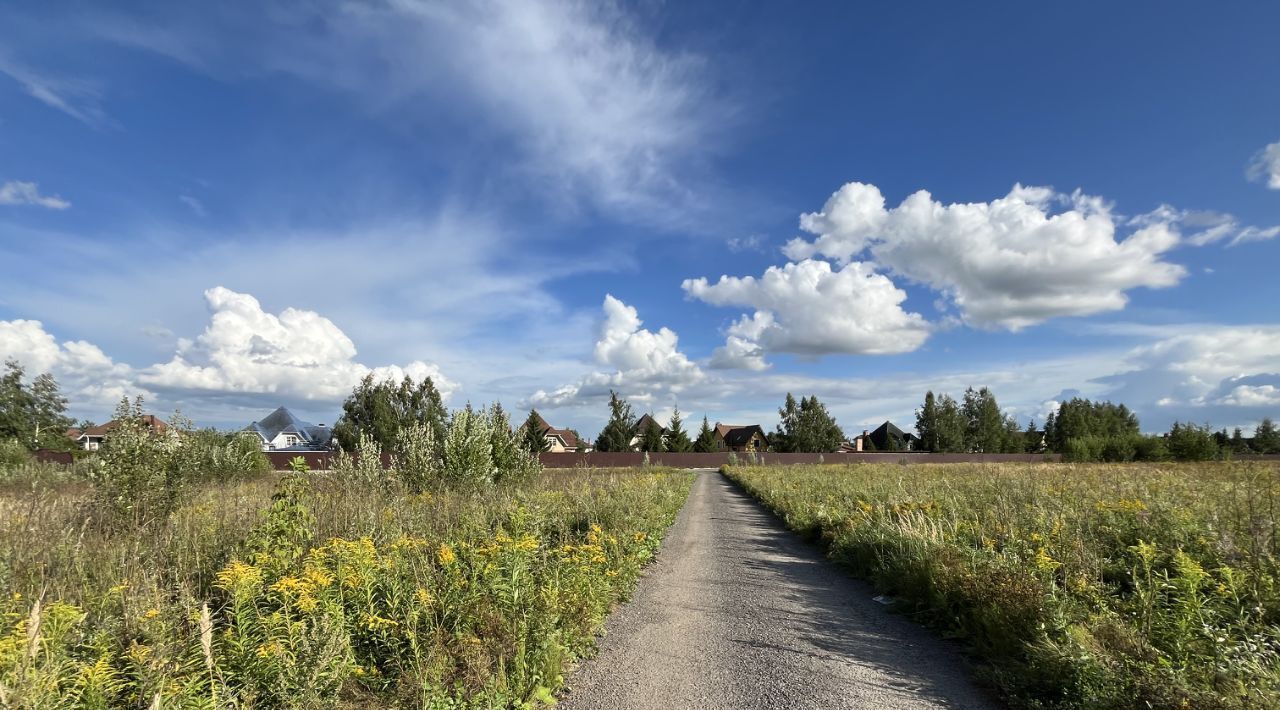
x: 51, y: 456
x: 601, y: 459
x: 316, y: 460
x: 322, y: 460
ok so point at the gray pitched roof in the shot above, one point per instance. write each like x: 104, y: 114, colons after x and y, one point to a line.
x: 282, y: 421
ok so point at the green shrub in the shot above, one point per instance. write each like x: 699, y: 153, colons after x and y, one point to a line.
x: 12, y: 455
x: 1192, y: 442
x: 141, y: 476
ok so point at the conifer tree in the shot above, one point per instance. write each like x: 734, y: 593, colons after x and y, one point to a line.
x: 532, y: 437
x: 621, y: 427
x: 1266, y: 437
x: 651, y: 437
x: 677, y: 437
x: 706, y: 441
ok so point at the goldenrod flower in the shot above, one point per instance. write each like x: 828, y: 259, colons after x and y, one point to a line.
x: 238, y: 574
x: 445, y: 554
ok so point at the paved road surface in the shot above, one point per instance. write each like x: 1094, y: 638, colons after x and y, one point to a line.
x: 738, y: 613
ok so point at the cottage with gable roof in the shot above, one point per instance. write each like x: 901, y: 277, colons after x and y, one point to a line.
x: 281, y: 430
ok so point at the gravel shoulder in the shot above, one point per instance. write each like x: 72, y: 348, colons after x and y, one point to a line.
x: 738, y: 612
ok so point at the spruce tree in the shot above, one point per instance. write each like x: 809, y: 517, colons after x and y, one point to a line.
x: 532, y: 438
x: 1266, y: 437
x: 651, y: 438
x: 677, y: 437
x: 1031, y: 438
x: 1238, y: 444
x: 621, y: 427
x: 784, y: 437
x: 706, y: 441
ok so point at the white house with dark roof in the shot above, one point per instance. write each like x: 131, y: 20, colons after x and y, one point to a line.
x: 281, y: 430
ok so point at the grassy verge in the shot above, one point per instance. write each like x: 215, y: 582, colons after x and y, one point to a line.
x: 1103, y: 586
x: 308, y: 591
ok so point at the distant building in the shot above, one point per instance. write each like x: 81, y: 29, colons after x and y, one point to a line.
x: 886, y: 437
x: 642, y: 425
x: 560, y: 440
x: 282, y: 431
x: 741, y: 437
x: 91, y: 439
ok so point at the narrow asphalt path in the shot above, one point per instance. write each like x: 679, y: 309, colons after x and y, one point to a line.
x: 739, y: 613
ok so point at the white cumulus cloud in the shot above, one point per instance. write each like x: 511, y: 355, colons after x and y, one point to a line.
x: 810, y: 308
x: 1265, y: 166
x: 85, y: 373
x: 296, y: 353
x: 640, y: 363
x: 245, y: 355
x: 1226, y: 375
x: 1011, y: 262
x: 16, y: 192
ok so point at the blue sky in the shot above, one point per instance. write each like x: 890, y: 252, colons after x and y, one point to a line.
x: 231, y: 208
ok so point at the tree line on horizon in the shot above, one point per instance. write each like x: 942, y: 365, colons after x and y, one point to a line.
x: 33, y: 415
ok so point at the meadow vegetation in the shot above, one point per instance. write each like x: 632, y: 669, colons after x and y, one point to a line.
x: 171, y: 570
x: 309, y: 590
x: 1076, y: 586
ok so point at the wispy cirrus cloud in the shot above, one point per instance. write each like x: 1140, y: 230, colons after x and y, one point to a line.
x: 588, y: 107
x: 78, y: 98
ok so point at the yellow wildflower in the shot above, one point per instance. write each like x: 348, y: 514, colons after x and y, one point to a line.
x: 423, y: 596
x: 1044, y: 562
x: 238, y: 574
x: 317, y: 577
x: 289, y: 586
x: 151, y: 613
x: 445, y: 554
x: 307, y: 603
x: 373, y: 622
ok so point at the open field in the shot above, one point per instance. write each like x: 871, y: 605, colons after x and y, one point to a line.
x: 309, y: 591
x: 1076, y: 585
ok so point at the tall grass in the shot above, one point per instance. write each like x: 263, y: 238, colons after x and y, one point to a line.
x: 292, y: 591
x: 1080, y: 586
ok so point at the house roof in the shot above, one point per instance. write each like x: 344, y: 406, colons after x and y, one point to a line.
x: 282, y: 421
x: 102, y: 430
x: 642, y: 425
x: 738, y: 434
x: 568, y: 437
x: 880, y: 437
